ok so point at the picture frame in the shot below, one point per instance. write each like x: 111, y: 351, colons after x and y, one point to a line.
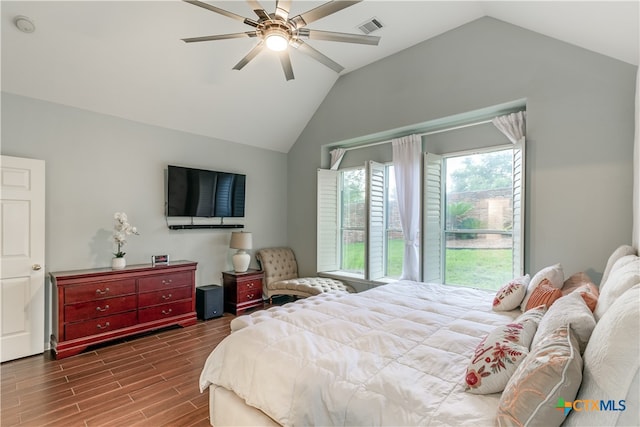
x: 159, y: 260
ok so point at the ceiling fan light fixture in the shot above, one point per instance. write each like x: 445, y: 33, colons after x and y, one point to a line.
x: 276, y: 32
x: 277, y: 39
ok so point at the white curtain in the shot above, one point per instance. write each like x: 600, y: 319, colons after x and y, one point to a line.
x: 336, y: 157
x: 406, y: 164
x: 635, y: 239
x: 512, y: 125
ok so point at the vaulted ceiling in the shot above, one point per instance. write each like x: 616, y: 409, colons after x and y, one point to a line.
x: 126, y: 58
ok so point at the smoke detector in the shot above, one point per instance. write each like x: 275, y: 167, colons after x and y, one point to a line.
x: 24, y: 24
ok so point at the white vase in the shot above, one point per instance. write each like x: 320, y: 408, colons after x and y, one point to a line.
x: 118, y: 263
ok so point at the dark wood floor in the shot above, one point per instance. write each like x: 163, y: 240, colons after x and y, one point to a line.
x: 151, y: 380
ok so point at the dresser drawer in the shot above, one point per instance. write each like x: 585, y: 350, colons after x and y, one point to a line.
x: 164, y: 296
x: 249, y: 286
x: 98, y: 290
x: 165, y: 310
x: 156, y: 283
x: 100, y: 325
x: 251, y: 295
x: 98, y: 308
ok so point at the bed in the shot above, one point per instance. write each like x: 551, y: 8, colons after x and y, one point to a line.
x: 396, y: 354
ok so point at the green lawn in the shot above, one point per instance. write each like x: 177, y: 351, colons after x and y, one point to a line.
x: 479, y: 268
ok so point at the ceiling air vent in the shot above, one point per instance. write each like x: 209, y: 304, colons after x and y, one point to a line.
x: 370, y: 26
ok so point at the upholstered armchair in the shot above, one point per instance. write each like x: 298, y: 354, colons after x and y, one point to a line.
x: 281, y: 276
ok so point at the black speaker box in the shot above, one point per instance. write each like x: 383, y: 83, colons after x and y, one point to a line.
x: 209, y: 301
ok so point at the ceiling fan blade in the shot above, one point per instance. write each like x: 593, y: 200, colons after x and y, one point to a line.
x: 222, y: 12
x: 258, y: 9
x: 282, y: 8
x: 338, y: 37
x: 285, y: 60
x: 249, y: 56
x: 221, y: 37
x: 320, y: 57
x: 321, y: 11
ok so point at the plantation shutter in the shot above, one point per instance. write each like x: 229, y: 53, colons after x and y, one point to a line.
x: 327, y: 257
x: 375, y: 258
x: 518, y: 208
x: 432, y: 219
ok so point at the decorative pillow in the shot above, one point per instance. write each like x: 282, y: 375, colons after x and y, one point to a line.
x: 580, y: 282
x: 590, y: 299
x: 499, y: 353
x: 549, y: 375
x: 615, y: 256
x: 624, y: 275
x: 510, y: 295
x: 544, y: 294
x: 612, y: 365
x: 570, y: 309
x: 553, y: 273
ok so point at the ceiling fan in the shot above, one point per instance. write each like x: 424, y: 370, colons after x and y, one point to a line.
x: 276, y: 31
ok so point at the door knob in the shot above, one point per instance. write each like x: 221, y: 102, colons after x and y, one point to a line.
x: 36, y: 267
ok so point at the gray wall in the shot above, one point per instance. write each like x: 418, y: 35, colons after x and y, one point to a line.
x: 97, y: 165
x: 580, y: 126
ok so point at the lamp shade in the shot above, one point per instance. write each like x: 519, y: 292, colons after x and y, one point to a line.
x: 240, y: 240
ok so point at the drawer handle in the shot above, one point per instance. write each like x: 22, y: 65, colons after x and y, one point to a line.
x: 250, y: 296
x: 106, y: 307
x: 101, y: 292
x: 166, y: 282
x: 166, y: 311
x: 250, y: 285
x: 166, y: 297
x: 106, y: 325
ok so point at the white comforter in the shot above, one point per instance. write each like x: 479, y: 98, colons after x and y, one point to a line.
x: 393, y: 355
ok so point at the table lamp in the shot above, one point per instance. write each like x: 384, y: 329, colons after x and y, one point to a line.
x: 241, y: 241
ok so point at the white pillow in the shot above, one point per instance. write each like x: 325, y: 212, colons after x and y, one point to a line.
x: 571, y: 309
x: 615, y: 256
x: 553, y: 273
x: 611, y: 365
x: 624, y: 275
x: 510, y: 295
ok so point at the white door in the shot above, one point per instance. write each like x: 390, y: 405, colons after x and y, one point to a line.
x: 21, y: 257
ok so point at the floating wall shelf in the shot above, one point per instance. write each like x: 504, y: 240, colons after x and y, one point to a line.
x: 197, y: 226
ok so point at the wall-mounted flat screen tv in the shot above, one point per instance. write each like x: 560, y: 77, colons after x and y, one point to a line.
x: 204, y: 193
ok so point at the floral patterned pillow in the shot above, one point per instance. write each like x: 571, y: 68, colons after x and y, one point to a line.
x: 498, y: 355
x: 511, y: 295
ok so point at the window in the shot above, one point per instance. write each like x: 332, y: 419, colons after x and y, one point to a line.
x: 352, y: 220
x: 472, y: 230
x: 363, y: 205
x: 472, y: 217
x: 478, y: 219
x: 393, y: 229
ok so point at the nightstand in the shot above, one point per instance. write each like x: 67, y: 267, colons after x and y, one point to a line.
x: 242, y: 291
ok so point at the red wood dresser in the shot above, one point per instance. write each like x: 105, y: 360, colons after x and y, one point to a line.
x: 97, y: 305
